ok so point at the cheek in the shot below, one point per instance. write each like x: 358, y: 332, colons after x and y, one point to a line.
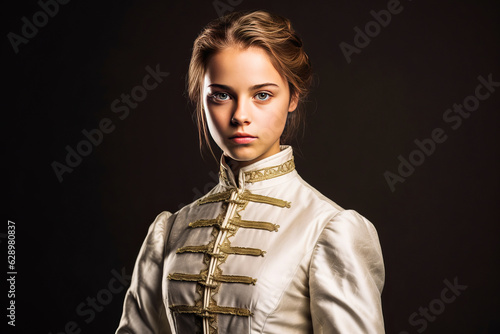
x: 216, y: 123
x: 272, y: 124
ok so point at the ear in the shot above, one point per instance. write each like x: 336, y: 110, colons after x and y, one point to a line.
x: 294, y: 101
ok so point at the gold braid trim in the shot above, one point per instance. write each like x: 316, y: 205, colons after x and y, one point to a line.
x: 235, y: 279
x: 261, y: 174
x: 193, y: 249
x: 243, y: 198
x: 185, y: 277
x: 237, y: 222
x: 242, y: 251
x: 205, y: 223
x: 224, y: 249
x: 256, y: 225
x: 209, y: 279
x: 269, y: 172
x: 248, y: 196
x: 211, y: 310
x: 223, y: 174
x: 218, y: 197
x: 201, y: 278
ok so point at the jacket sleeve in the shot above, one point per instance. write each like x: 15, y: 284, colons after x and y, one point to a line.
x: 143, y: 309
x: 346, y: 277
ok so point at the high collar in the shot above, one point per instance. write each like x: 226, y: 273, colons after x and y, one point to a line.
x: 263, y: 173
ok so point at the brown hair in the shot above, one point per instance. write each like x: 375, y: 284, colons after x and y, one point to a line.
x: 272, y: 33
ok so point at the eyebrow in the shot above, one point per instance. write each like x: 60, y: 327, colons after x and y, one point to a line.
x: 254, y: 87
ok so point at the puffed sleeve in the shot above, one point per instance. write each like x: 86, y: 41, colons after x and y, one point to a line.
x: 346, y: 277
x: 143, y: 309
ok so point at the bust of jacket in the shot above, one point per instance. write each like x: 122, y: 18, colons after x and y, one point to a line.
x: 262, y: 252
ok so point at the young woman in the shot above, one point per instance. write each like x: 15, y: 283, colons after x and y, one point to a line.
x: 263, y: 251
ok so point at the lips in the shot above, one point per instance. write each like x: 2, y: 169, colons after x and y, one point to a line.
x: 242, y: 138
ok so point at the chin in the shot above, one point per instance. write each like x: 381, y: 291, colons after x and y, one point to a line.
x: 243, y: 154
x: 243, y: 157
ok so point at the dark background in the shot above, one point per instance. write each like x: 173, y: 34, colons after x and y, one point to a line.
x: 73, y: 236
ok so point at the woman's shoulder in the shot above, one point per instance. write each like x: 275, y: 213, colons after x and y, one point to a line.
x: 160, y: 223
x: 334, y: 214
x: 316, y: 198
x: 157, y: 228
x: 352, y: 225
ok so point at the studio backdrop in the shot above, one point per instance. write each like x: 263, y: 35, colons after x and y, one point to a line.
x: 402, y: 126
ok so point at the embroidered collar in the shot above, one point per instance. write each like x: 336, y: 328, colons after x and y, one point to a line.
x: 274, y: 166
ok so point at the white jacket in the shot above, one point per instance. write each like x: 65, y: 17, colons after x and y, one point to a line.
x: 271, y: 255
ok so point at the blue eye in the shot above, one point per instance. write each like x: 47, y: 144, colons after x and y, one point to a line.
x: 221, y: 96
x: 263, y: 96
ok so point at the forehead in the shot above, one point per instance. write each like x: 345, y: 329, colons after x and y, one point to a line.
x: 236, y: 66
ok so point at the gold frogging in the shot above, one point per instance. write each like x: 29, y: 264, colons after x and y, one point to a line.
x: 216, y: 252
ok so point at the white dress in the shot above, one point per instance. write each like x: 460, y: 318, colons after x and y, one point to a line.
x: 271, y: 255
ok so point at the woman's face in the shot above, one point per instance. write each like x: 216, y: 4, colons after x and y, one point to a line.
x: 246, y: 102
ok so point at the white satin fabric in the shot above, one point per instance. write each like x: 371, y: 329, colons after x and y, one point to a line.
x: 322, y: 270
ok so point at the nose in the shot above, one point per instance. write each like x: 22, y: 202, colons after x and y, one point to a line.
x: 241, y: 114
